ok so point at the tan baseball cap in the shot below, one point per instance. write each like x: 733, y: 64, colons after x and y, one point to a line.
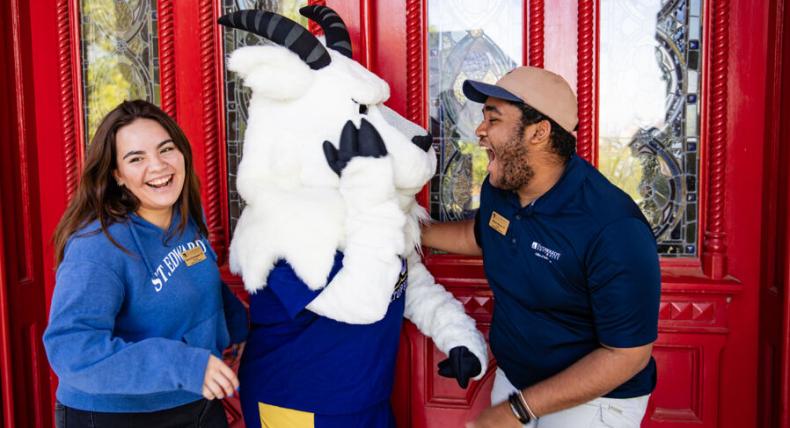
x: 540, y: 89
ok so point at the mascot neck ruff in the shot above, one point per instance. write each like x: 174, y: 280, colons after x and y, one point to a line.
x: 327, y: 243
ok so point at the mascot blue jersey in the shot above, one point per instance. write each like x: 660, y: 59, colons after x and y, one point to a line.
x: 302, y: 370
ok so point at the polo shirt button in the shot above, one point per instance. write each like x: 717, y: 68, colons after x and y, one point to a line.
x: 513, y: 240
x: 518, y: 216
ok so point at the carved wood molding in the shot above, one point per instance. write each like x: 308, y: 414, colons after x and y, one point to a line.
x: 536, y: 32
x: 704, y: 316
x: 714, y: 243
x: 167, y: 68
x: 415, y: 60
x: 587, y: 41
x: 66, y: 61
x: 477, y: 305
x: 210, y: 114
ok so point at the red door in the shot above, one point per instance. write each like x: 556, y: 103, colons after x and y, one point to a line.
x: 669, y: 111
x: 774, y: 392
x: 673, y: 107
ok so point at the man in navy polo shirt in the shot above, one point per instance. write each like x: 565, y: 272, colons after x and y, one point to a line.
x: 571, y: 260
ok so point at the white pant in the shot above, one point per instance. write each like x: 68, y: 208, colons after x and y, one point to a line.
x: 598, y: 413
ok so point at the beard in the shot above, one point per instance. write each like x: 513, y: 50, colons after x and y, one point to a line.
x: 513, y: 158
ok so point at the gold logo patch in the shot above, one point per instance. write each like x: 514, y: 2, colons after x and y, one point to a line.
x: 499, y: 223
x: 193, y: 256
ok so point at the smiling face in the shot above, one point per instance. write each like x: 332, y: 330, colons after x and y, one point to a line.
x: 151, y: 167
x: 501, y: 134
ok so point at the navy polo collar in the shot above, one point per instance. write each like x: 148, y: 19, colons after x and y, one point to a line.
x: 564, y: 189
x: 556, y: 197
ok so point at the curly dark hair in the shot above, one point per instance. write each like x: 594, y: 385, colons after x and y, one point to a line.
x: 563, y: 143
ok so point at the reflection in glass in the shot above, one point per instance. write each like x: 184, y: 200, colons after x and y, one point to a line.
x: 467, y: 39
x: 649, y: 112
x: 120, y: 58
x: 236, y: 95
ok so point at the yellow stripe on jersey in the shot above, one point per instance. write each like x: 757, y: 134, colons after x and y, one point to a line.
x: 281, y: 417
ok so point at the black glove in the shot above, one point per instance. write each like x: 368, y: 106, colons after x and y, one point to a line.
x: 462, y: 365
x: 363, y: 142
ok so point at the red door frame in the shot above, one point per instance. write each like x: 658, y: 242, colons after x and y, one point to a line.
x: 775, y: 299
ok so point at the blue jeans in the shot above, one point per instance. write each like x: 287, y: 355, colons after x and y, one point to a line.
x: 199, y: 414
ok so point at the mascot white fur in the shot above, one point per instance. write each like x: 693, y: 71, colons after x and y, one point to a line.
x: 327, y: 243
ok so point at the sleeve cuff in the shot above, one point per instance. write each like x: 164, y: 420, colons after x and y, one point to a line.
x: 195, y: 370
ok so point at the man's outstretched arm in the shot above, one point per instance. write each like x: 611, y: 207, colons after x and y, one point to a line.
x: 453, y: 237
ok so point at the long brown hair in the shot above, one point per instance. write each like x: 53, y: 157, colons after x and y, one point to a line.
x: 100, y: 197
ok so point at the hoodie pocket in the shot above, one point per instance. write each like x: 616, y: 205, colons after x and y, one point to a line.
x: 211, y: 334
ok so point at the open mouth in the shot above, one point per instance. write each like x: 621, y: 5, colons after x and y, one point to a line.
x: 490, y: 153
x: 160, y: 182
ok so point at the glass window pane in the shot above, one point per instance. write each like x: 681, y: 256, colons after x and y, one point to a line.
x: 467, y: 39
x: 649, y: 112
x: 237, y: 96
x: 120, y: 57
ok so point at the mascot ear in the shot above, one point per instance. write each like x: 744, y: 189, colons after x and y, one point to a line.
x: 272, y: 71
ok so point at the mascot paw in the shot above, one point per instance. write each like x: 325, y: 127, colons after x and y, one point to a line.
x: 423, y: 141
x: 462, y: 365
x: 365, y: 142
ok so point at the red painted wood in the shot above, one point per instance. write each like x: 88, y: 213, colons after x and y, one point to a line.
x: 782, y: 407
x: 56, y: 139
x: 25, y: 374
x: 7, y: 114
x: 70, y: 93
x: 534, y: 42
x: 714, y: 245
x: 587, y: 84
x: 167, y: 66
x: 745, y: 114
x: 560, y: 38
x: 774, y: 390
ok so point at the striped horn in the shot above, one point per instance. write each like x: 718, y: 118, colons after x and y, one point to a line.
x: 282, y: 31
x: 337, y: 37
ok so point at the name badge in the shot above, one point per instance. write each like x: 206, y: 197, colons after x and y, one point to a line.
x: 499, y: 223
x: 193, y: 256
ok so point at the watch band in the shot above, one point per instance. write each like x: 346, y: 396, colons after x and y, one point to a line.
x: 517, y: 407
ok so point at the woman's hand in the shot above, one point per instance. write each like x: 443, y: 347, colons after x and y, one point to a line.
x: 219, y: 381
x: 232, y: 355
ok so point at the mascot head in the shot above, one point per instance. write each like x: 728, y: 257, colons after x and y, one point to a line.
x: 302, y: 95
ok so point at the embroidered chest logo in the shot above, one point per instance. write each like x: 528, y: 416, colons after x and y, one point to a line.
x: 190, y: 253
x: 545, y: 253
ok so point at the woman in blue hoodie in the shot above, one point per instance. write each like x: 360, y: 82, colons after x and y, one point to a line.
x: 139, y: 315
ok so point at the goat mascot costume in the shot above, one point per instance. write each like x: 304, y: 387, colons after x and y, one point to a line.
x: 327, y: 243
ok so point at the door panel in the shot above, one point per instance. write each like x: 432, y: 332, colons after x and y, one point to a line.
x: 774, y: 392
x: 24, y: 372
